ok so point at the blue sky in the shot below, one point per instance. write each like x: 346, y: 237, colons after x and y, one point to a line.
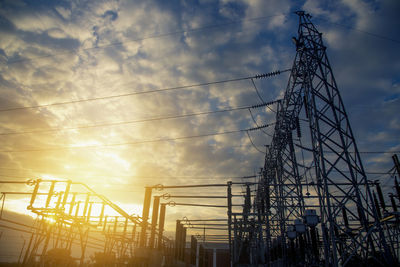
x: 57, y: 51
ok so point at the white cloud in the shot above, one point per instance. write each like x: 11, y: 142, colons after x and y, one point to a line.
x: 64, y: 12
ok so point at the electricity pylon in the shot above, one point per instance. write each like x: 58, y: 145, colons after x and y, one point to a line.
x: 314, y: 185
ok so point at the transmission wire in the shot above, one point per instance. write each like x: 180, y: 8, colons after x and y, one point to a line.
x: 129, y: 122
x: 154, y: 36
x: 259, y: 76
x: 255, y: 147
x: 136, y: 142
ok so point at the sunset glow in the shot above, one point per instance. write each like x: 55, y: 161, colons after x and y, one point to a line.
x: 117, y: 96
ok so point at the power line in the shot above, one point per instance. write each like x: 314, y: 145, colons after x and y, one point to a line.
x: 360, y: 152
x: 153, y: 36
x: 255, y: 122
x: 69, y: 176
x: 55, y: 129
x: 171, y: 176
x: 260, y: 76
x: 359, y: 30
x: 137, y: 142
x: 12, y: 176
x: 379, y: 152
x: 255, y: 147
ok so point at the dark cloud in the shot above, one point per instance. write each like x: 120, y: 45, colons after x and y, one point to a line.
x: 6, y: 25
x: 110, y: 14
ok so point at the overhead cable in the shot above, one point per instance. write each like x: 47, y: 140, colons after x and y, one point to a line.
x: 54, y: 129
x: 255, y: 147
x: 139, y: 93
x: 383, y: 37
x: 136, y: 142
x: 255, y: 122
x: 153, y: 36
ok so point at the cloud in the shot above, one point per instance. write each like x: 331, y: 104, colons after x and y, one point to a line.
x: 86, y: 50
x: 110, y: 14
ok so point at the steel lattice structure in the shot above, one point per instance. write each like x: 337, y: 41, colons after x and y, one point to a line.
x: 314, y: 200
x: 311, y: 206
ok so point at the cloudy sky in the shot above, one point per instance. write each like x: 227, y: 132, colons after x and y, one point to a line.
x: 121, y: 55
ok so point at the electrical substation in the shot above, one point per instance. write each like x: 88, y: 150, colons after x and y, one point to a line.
x: 311, y: 204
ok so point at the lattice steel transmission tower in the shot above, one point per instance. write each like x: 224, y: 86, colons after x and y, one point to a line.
x: 315, y: 198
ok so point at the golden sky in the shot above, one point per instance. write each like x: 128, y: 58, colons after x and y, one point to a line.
x: 113, y: 52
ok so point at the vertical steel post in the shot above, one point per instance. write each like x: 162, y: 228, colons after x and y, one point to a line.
x: 72, y: 204
x: 145, y: 216
x: 89, y: 212
x: 183, y: 243
x: 20, y: 254
x: 26, y: 257
x: 396, y: 164
x: 154, y: 219
x: 3, y: 199
x: 161, y: 226
x: 66, y: 193
x: 101, y: 213
x: 229, y: 198
x: 177, y: 239
x: 133, y: 238
x: 50, y: 194
x: 34, y: 193
x: 193, y: 250
x: 86, y: 206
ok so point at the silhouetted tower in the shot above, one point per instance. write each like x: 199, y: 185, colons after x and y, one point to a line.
x: 317, y: 169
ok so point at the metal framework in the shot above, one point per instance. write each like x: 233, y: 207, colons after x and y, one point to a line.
x: 311, y: 206
x: 67, y: 219
x: 314, y: 204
